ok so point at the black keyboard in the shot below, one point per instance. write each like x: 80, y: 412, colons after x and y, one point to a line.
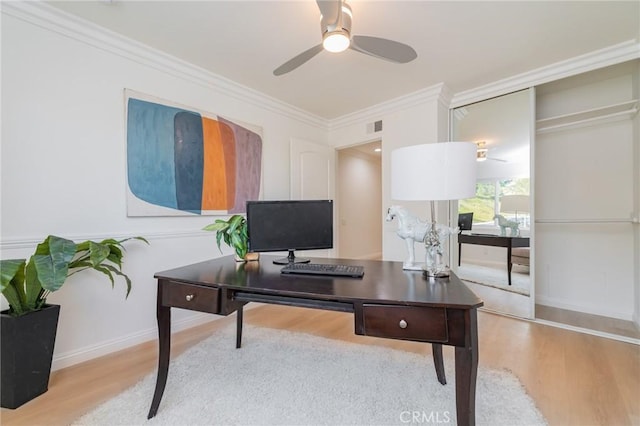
x: 322, y: 269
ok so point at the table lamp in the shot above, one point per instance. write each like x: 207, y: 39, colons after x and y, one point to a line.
x: 434, y: 172
x: 514, y: 204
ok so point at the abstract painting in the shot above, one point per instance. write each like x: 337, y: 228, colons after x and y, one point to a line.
x: 184, y: 162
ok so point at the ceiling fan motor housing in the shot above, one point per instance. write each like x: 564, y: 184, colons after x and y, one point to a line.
x: 340, y: 25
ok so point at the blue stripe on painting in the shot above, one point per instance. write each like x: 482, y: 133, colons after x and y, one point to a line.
x: 189, y: 161
x: 150, y: 152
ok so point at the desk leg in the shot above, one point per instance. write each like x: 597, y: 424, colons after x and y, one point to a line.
x: 509, y: 264
x: 239, y: 328
x: 459, y: 253
x: 164, y: 339
x: 439, y: 362
x: 466, y: 372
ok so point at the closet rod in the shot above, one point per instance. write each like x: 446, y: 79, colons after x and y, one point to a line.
x: 569, y: 221
x: 579, y: 122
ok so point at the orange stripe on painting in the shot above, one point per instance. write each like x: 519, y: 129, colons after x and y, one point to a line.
x: 214, y: 176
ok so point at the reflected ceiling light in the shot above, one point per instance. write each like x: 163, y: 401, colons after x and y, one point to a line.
x: 378, y: 150
x: 481, y: 153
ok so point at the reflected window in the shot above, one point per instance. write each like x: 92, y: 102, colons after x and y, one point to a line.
x: 506, y: 197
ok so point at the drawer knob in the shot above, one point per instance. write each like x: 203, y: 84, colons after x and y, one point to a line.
x: 402, y: 324
x: 189, y: 297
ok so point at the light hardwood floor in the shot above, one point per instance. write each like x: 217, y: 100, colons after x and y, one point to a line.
x: 575, y: 379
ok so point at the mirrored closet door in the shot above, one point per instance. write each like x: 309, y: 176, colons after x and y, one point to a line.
x: 588, y: 201
x: 494, y: 251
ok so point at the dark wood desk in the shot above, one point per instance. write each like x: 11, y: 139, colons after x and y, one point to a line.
x: 387, y: 302
x: 495, y: 241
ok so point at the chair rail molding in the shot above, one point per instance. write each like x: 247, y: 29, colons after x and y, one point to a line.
x: 31, y: 241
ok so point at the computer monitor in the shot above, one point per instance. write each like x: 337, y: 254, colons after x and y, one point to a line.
x: 290, y: 225
x: 465, y: 221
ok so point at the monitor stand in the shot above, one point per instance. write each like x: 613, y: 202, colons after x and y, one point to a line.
x: 291, y: 259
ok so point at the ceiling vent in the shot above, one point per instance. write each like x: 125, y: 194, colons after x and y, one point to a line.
x: 374, y: 127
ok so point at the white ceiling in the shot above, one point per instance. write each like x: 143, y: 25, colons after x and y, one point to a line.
x: 461, y: 44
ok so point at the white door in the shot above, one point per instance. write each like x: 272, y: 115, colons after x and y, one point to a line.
x: 312, y: 178
x: 312, y: 171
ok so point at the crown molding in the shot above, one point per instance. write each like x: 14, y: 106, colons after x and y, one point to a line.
x: 374, y: 112
x: 445, y: 96
x: 65, y: 24
x: 611, y: 55
x: 60, y: 22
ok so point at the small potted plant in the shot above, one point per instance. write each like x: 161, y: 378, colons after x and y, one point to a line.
x: 29, y: 325
x: 233, y: 232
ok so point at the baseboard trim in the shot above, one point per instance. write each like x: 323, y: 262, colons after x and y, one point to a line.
x: 555, y: 303
x: 88, y: 353
x: 104, y: 348
x: 582, y: 330
x: 589, y: 331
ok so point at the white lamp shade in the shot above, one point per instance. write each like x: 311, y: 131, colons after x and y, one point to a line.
x: 514, y: 204
x: 434, y: 171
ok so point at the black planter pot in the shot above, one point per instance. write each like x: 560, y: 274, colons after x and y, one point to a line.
x: 26, y: 350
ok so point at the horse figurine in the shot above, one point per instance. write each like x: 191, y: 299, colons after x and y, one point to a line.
x: 504, y: 223
x: 412, y: 229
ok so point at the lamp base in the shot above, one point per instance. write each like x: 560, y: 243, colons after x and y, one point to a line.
x: 437, y: 274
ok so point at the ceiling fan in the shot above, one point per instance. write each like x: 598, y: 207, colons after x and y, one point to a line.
x: 335, y: 26
x: 483, y: 151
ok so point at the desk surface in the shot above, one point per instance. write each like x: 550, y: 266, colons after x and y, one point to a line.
x: 493, y: 240
x: 382, y: 282
x: 387, y: 302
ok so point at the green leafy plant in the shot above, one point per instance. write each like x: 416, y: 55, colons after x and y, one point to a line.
x: 234, y: 233
x: 26, y: 285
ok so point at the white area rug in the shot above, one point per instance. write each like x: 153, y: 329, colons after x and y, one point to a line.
x: 284, y: 378
x: 496, y: 278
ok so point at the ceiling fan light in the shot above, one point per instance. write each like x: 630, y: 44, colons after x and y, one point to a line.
x: 336, y: 41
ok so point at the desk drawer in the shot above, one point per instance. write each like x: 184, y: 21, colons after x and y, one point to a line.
x: 192, y: 297
x: 405, y: 322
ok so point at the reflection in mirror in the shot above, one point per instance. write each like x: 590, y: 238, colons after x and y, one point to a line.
x: 494, y: 249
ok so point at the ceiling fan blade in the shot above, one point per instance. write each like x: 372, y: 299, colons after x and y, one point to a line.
x: 330, y: 10
x: 384, y: 49
x: 294, y: 63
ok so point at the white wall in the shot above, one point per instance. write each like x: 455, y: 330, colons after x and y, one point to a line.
x: 63, y: 166
x: 410, y: 120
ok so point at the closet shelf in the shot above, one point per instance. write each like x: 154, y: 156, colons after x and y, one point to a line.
x: 608, y: 113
